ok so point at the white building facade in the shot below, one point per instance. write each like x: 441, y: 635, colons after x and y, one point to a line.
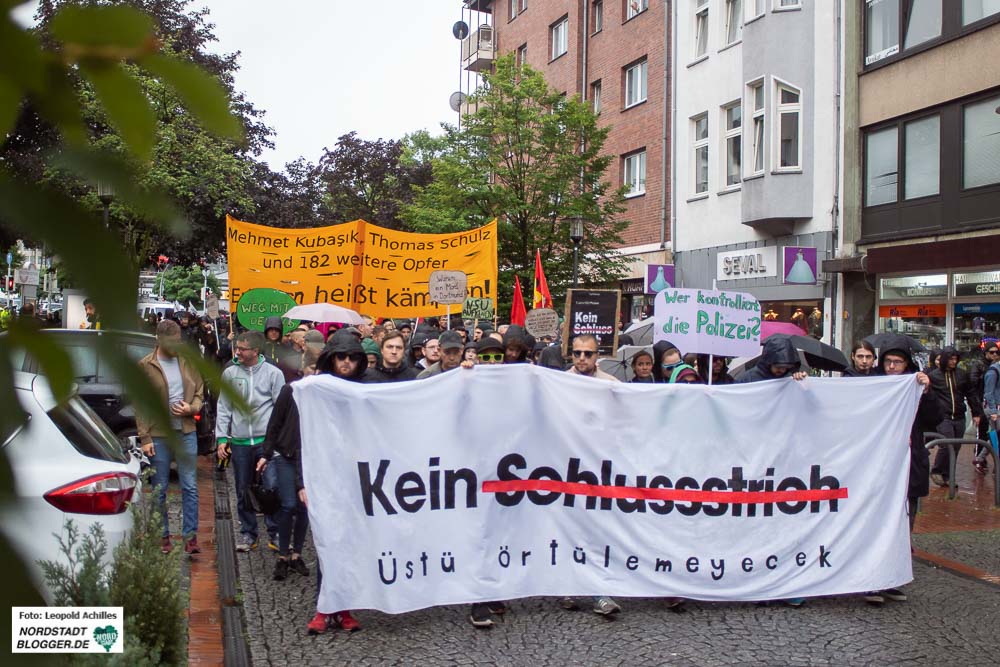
x: 757, y: 152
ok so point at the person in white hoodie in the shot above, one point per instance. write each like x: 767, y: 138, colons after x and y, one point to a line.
x: 240, y: 435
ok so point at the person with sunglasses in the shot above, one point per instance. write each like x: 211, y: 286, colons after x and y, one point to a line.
x: 344, y: 358
x: 489, y: 350
x: 584, y: 350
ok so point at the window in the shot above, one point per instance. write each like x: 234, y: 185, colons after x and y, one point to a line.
x: 524, y: 5
x: 733, y: 115
x: 700, y: 146
x: 522, y: 55
x: 881, y: 29
x: 756, y: 97
x: 734, y: 21
x: 922, y: 158
x: 635, y: 7
x: 974, y: 10
x: 755, y: 8
x: 634, y: 174
x: 635, y: 84
x: 597, y: 15
x: 923, y: 22
x: 701, y: 28
x: 981, y: 139
x: 595, y: 95
x: 511, y: 10
x: 789, y: 127
x: 559, y: 36
x: 783, y: 4
x: 881, y: 167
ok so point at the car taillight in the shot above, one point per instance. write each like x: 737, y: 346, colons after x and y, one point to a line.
x: 108, y: 493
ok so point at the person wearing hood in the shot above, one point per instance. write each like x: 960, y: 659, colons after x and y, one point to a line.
x: 273, y: 348
x: 240, y: 435
x: 951, y: 385
x: 517, y: 343
x: 778, y: 359
x: 343, y: 357
x: 451, y: 350
x: 371, y: 351
x: 551, y: 357
x: 897, y: 360
x: 406, y: 328
x: 666, y: 359
x: 392, y: 367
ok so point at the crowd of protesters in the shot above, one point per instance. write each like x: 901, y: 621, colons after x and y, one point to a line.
x: 264, y: 444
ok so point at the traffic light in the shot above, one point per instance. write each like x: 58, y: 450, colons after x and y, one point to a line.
x: 10, y: 283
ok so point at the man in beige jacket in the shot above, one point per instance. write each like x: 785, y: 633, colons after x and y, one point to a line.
x: 182, y: 389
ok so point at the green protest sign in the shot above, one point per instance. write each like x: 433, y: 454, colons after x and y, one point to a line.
x: 256, y: 305
x: 477, y: 308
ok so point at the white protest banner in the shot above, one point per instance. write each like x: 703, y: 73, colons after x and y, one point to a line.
x: 722, y: 323
x: 534, y: 482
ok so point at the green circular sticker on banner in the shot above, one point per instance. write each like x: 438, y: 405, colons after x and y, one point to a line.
x: 256, y: 305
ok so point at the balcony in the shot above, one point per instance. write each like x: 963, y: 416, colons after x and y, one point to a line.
x: 478, y: 49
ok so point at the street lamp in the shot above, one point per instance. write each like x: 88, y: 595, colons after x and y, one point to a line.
x: 204, y: 290
x: 576, y: 236
x: 106, y: 193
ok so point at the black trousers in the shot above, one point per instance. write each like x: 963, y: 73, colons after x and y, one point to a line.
x: 949, y: 428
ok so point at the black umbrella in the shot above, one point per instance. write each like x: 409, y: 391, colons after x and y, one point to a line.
x: 895, y: 341
x: 819, y: 355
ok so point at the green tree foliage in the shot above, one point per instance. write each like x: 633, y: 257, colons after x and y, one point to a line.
x: 533, y: 159
x: 184, y: 283
x: 41, y: 75
x: 368, y: 180
x: 204, y: 174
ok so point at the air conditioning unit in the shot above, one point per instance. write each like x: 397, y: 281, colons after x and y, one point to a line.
x: 479, y: 48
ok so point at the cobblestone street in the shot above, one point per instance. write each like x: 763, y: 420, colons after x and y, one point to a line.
x: 947, y: 618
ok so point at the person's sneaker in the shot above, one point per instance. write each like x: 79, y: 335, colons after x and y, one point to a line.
x: 980, y: 466
x: 272, y: 543
x: 498, y: 608
x: 894, y: 594
x: 346, y: 621
x: 165, y: 545
x: 795, y: 602
x: 298, y: 566
x: 281, y: 570
x: 319, y: 623
x: 246, y: 544
x: 569, y: 604
x: 938, y: 479
x: 605, y: 606
x: 191, y: 546
x: 480, y: 616
x: 873, y: 597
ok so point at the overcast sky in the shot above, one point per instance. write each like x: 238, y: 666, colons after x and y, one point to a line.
x: 321, y: 68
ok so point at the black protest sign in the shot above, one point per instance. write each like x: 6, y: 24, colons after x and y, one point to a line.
x: 593, y: 312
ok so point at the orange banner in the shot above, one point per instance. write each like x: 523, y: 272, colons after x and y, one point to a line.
x: 916, y: 310
x: 375, y: 271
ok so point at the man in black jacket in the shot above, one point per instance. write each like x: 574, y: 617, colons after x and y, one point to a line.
x: 392, y: 367
x: 343, y: 357
x: 952, y: 388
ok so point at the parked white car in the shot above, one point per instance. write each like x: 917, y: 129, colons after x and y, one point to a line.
x: 67, y: 464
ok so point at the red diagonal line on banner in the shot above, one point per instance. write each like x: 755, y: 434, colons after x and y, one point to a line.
x: 727, y: 497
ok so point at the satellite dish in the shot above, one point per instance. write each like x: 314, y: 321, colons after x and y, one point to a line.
x: 456, y: 100
x: 460, y: 29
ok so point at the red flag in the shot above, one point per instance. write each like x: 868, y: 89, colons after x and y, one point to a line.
x: 517, y: 310
x: 542, y: 297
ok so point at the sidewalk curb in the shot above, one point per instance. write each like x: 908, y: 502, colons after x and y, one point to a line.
x: 236, y: 651
x: 955, y: 567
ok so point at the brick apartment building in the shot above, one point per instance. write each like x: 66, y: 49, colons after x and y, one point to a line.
x: 614, y: 54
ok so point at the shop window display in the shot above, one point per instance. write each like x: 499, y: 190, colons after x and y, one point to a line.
x: 976, y: 324
x: 807, y: 314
